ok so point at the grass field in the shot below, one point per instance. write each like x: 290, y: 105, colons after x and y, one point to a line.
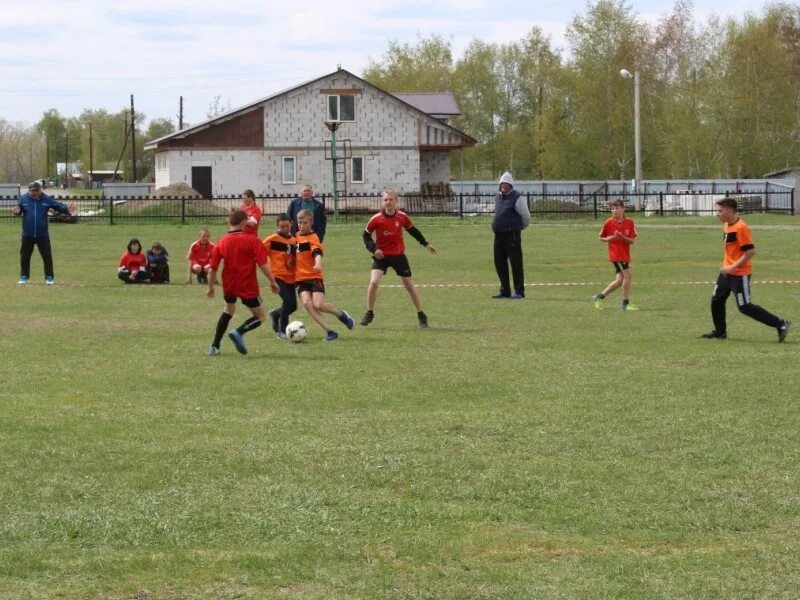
x: 517, y: 449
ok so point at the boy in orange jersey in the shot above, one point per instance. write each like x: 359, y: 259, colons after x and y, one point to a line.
x: 734, y: 276
x: 253, y: 211
x: 241, y: 253
x: 281, y: 250
x: 618, y: 232
x: 199, y: 257
x: 309, y: 276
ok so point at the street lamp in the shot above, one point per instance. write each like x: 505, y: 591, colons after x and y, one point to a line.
x: 637, y: 132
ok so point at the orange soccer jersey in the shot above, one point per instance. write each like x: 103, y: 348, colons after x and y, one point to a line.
x: 281, y: 252
x: 308, y: 248
x: 737, y: 241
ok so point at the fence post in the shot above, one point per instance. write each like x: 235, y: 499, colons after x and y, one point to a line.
x: 183, y: 211
x: 661, y: 203
x: 594, y: 199
x: 460, y: 205
x: 111, y: 211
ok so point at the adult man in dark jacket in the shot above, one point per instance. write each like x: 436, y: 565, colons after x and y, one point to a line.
x: 34, y: 206
x: 511, y: 216
x: 308, y: 202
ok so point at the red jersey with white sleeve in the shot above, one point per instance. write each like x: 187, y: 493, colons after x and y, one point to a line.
x: 199, y: 254
x: 619, y: 250
x: 240, y: 253
x: 388, y: 230
x: 133, y: 262
x: 253, y: 211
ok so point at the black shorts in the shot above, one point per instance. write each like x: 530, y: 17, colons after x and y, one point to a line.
x: 248, y: 302
x: 619, y: 267
x: 399, y: 263
x: 311, y: 285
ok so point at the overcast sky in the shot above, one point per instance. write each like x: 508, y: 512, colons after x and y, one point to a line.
x: 77, y: 54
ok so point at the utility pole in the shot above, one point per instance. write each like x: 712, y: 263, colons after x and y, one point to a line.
x: 333, y: 126
x: 91, y: 156
x: 133, y: 139
x: 47, y: 156
x: 66, y: 157
x: 180, y: 114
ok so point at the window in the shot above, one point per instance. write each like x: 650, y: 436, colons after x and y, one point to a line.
x: 342, y: 108
x: 357, y: 169
x: 289, y: 170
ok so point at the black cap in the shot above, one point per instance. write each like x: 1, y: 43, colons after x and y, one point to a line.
x: 34, y: 185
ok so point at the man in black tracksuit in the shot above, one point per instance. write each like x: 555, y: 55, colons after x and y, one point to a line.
x: 511, y: 216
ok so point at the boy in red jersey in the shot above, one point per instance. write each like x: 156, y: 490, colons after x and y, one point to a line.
x: 199, y: 257
x: 253, y: 211
x: 241, y: 253
x: 281, y: 250
x: 618, y: 232
x: 734, y: 276
x: 388, y: 250
x: 133, y: 264
x: 310, y: 278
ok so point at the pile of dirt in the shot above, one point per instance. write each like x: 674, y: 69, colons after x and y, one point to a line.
x: 178, y: 189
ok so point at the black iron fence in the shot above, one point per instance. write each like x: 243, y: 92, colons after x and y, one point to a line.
x: 541, y: 205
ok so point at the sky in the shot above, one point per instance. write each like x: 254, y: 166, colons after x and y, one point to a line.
x: 71, y: 55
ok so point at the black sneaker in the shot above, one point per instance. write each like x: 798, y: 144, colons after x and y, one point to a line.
x: 423, y: 320
x: 783, y: 330
x: 275, y: 318
x: 501, y: 295
x: 367, y: 318
x: 715, y: 335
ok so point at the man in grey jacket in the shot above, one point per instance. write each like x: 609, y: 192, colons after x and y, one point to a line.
x: 511, y: 216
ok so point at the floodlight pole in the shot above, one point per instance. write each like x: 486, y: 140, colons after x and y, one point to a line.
x: 333, y: 126
x: 637, y: 131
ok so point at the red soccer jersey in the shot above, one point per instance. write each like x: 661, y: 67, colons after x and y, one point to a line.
x: 133, y: 262
x: 619, y: 250
x: 252, y: 210
x: 199, y: 254
x: 281, y: 252
x: 388, y: 231
x: 308, y: 247
x: 240, y: 253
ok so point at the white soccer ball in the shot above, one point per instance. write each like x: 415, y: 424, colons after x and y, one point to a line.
x: 296, y: 331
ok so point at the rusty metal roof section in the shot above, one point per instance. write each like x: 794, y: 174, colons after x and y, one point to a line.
x: 440, y: 105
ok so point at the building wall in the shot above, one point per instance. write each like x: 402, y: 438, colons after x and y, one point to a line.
x: 386, y: 133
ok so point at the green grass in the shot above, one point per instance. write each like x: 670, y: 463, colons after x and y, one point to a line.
x: 532, y: 449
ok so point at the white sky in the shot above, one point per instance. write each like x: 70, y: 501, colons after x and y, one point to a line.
x: 77, y: 54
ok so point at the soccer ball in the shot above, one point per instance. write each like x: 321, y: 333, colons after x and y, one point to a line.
x: 296, y: 331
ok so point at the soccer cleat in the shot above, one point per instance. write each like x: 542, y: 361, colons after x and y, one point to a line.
x: 282, y: 336
x: 347, y: 320
x: 213, y: 351
x: 516, y: 296
x: 783, y: 330
x: 23, y: 280
x: 367, y: 318
x: 629, y: 306
x: 332, y: 336
x: 49, y: 280
x: 501, y: 295
x: 423, y: 321
x: 275, y: 317
x: 238, y: 341
x: 598, y: 302
x: 714, y: 335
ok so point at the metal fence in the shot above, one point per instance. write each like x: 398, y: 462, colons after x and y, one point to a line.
x: 580, y: 204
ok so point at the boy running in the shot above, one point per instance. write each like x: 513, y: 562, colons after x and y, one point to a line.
x: 734, y: 276
x: 618, y: 232
x: 241, y: 253
x: 199, y: 257
x: 281, y: 250
x: 310, y: 278
x: 388, y: 250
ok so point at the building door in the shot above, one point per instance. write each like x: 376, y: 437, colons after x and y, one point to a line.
x: 201, y: 181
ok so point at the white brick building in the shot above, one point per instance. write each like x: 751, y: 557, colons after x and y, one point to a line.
x: 278, y: 143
